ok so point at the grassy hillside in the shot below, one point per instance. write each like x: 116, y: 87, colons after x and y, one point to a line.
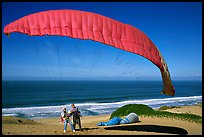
x: 144, y: 110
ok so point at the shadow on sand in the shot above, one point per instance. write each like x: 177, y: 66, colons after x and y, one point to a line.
x: 150, y: 128
x: 83, y: 129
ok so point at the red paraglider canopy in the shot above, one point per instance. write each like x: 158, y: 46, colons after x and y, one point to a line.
x: 87, y: 25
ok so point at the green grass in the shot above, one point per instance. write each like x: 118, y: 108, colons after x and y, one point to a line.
x: 167, y: 107
x: 144, y: 110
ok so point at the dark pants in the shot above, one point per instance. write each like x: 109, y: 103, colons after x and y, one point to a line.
x: 76, y: 121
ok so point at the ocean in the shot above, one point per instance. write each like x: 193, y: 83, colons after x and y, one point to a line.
x: 43, y: 99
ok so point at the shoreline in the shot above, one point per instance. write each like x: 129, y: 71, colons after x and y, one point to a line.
x: 36, y: 112
x: 146, y: 126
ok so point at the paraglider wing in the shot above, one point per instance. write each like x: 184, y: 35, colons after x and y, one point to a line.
x: 87, y: 25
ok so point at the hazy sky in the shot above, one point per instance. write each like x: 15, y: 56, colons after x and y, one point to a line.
x: 175, y: 27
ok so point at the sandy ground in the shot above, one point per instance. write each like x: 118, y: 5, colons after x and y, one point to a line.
x: 146, y: 126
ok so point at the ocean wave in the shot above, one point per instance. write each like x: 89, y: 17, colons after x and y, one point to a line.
x: 96, y: 108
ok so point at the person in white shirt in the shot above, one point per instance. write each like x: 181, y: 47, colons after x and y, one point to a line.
x: 65, y: 116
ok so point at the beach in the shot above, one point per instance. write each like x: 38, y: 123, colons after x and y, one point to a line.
x: 145, y: 126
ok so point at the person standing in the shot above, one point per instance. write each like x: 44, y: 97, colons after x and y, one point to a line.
x: 76, y: 116
x: 65, y: 117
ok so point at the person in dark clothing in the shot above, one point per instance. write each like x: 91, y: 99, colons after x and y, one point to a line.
x: 76, y: 117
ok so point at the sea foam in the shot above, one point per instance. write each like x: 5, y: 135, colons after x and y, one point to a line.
x: 92, y: 108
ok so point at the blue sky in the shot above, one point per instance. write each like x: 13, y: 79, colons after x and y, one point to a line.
x: 175, y: 27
